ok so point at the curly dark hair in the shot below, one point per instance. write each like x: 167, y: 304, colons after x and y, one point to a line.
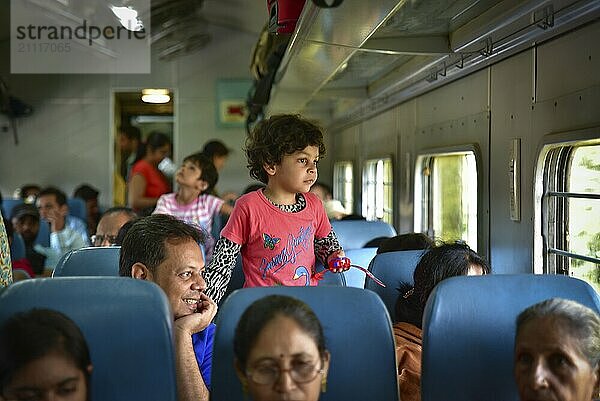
x: 276, y: 137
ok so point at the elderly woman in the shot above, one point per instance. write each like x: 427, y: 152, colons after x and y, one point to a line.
x: 557, y: 350
x: 272, y: 365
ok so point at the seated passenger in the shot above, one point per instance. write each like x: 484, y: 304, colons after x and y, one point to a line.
x: 166, y: 251
x: 439, y: 263
x: 29, y: 193
x: 192, y: 202
x: 109, y: 225
x: 90, y: 197
x: 21, y: 268
x: 333, y: 207
x: 43, y: 356
x: 280, y: 351
x: 5, y: 264
x: 557, y: 352
x: 26, y: 221
x: 405, y: 242
x: 67, y: 233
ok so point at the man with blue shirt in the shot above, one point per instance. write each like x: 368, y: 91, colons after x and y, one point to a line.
x: 166, y: 251
x: 66, y: 232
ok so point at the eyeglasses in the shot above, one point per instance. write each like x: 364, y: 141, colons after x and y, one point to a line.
x: 97, y: 240
x: 300, y: 372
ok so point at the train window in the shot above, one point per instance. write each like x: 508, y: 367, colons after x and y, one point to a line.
x: 377, y: 192
x: 343, y: 181
x: 447, y: 192
x: 570, y: 207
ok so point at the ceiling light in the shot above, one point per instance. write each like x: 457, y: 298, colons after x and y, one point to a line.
x: 128, y: 17
x: 155, y: 96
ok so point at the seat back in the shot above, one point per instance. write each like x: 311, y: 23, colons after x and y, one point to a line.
x: 469, y: 329
x: 127, y: 324
x: 363, y: 363
x: 8, y: 205
x: 396, y: 270
x: 354, y: 234
x: 77, y: 208
x: 43, y: 237
x: 361, y: 257
x: 17, y: 247
x: 91, y: 261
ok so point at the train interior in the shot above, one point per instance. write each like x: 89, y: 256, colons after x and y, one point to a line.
x: 475, y: 121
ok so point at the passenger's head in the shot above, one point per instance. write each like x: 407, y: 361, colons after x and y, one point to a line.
x: 29, y: 192
x: 43, y: 355
x: 198, y: 172
x: 280, y: 351
x: 405, y: 242
x: 437, y: 264
x: 90, y: 195
x: 277, y: 137
x: 25, y: 220
x: 129, y: 138
x: 217, y: 152
x: 166, y: 251
x: 52, y: 202
x: 109, y: 225
x: 557, y: 352
x: 322, y: 191
x: 158, y: 146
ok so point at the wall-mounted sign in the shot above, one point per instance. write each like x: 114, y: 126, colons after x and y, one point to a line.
x: 231, y: 102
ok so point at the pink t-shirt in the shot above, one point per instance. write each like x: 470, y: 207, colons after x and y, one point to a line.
x: 200, y: 212
x: 277, y: 246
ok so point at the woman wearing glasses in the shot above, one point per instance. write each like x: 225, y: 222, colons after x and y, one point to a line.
x: 272, y: 366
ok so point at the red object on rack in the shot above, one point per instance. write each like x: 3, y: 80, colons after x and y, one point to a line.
x: 283, y: 15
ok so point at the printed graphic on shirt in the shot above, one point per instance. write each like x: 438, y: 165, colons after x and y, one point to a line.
x: 302, y: 271
x: 294, y: 246
x: 270, y: 242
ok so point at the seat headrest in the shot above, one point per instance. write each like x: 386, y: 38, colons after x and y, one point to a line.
x: 396, y: 270
x: 90, y: 261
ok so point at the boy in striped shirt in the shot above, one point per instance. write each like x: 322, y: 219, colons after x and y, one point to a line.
x: 192, y: 203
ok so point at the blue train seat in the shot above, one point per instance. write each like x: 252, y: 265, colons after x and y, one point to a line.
x: 127, y: 324
x: 361, y: 257
x: 17, y: 247
x: 8, y: 205
x: 91, y: 261
x: 357, y: 333
x: 77, y: 208
x: 237, y: 279
x: 354, y: 234
x: 396, y: 270
x: 469, y: 329
x: 43, y: 237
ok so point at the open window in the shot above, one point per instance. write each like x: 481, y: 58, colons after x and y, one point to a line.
x: 446, y: 196
x: 377, y: 190
x: 343, y: 181
x: 568, y: 206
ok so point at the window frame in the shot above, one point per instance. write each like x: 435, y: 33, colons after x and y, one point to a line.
x: 423, y: 202
x: 339, y: 181
x: 551, y: 211
x: 386, y: 212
